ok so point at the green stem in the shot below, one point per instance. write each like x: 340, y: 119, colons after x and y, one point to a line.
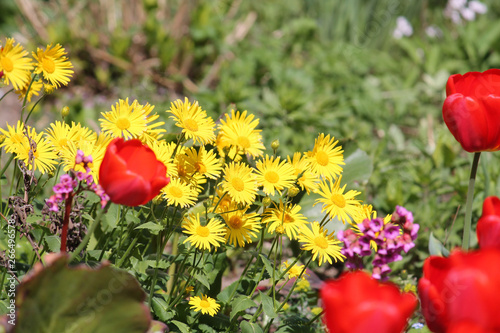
x: 91, y: 230
x: 127, y: 252
x: 468, y: 204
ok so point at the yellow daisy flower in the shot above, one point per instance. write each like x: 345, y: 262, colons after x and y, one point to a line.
x: 179, y: 193
x: 303, y: 285
x: 163, y: 152
x: 338, y: 204
x: 241, y: 227
x: 274, y: 174
x: 239, y: 182
x: 187, y: 173
x: 204, y: 162
x: 294, y: 271
x: 205, y: 305
x: 306, y: 179
x: 37, y: 153
x: 96, y: 149
x: 15, y: 137
x: 317, y: 310
x: 53, y: 64
x: 152, y: 133
x: 34, y: 90
x: 237, y: 131
x: 284, y: 219
x: 326, y: 159
x: 322, y: 245
x: 222, y: 202
x: 125, y: 120
x: 59, y: 135
x: 193, y: 120
x: 82, y: 135
x: 14, y: 64
x: 203, y: 236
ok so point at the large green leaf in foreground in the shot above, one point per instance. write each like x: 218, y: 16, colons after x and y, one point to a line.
x: 63, y: 299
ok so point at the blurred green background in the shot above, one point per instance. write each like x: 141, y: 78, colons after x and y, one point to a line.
x: 302, y: 67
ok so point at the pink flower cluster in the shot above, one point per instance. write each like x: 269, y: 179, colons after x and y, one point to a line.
x: 389, y: 239
x: 69, y: 183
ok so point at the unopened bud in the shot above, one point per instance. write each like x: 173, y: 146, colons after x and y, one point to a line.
x: 49, y: 88
x: 266, y: 201
x: 275, y: 144
x: 65, y: 111
x: 293, y: 191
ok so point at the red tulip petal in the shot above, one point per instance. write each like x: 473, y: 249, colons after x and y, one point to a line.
x: 129, y: 189
x: 467, y: 121
x: 491, y: 206
x: 488, y: 231
x: 433, y: 308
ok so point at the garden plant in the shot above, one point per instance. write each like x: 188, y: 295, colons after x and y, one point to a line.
x: 227, y: 166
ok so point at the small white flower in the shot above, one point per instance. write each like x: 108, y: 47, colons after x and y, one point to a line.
x: 403, y: 28
x: 433, y: 31
x: 468, y: 14
x: 478, y: 7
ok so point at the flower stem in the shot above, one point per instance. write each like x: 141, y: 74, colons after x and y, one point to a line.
x: 91, y: 230
x: 468, y: 203
x: 67, y: 212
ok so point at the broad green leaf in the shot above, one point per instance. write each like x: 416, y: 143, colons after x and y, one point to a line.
x: 181, y: 326
x: 436, y: 248
x: 202, y: 278
x: 160, y: 308
x: 58, y: 298
x: 240, y: 304
x: 247, y: 327
x: 151, y: 226
x: 358, y: 168
x: 267, y: 305
x: 269, y: 266
x: 53, y: 242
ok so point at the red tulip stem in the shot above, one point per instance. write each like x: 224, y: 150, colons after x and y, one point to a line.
x: 468, y: 203
x: 67, y: 212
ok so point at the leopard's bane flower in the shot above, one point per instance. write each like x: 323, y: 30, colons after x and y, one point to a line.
x: 54, y: 65
x: 204, y: 236
x: 204, y: 304
x: 321, y: 244
x: 15, y: 66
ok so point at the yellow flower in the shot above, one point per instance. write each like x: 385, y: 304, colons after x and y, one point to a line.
x: 321, y: 244
x: 179, y: 193
x: 306, y: 179
x: 15, y: 65
x: 274, y: 175
x: 203, y: 162
x: 284, y: 219
x: 237, y: 131
x: 303, y: 285
x: 53, y: 64
x: 34, y: 90
x: 338, y: 204
x: 163, y: 152
x: 60, y: 135
x: 205, y: 305
x: 325, y: 159
x: 222, y: 202
x: 129, y: 120
x: 239, y: 182
x: 37, y: 153
x: 193, y: 120
x: 294, y: 271
x: 15, y: 137
x: 316, y: 310
x: 187, y: 173
x: 241, y: 227
x: 203, y: 236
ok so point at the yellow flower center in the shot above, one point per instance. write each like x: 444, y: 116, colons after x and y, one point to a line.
x: 200, y: 167
x: 123, y: 123
x: 63, y: 142
x: 287, y: 218
x: 322, y: 158
x: 191, y: 125
x: 48, y: 65
x: 244, y: 142
x: 203, y: 232
x: 204, y: 304
x: 338, y: 200
x: 175, y: 192
x: 7, y: 64
x: 272, y: 177
x: 17, y: 138
x: 321, y: 242
x: 236, y: 222
x: 238, y: 184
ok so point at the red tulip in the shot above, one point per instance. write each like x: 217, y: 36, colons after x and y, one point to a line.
x: 472, y: 110
x: 357, y: 303
x: 130, y: 173
x: 462, y: 292
x: 488, y: 226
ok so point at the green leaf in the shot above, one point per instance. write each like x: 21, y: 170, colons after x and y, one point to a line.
x: 202, y: 278
x: 226, y: 292
x: 436, y: 248
x: 268, y: 305
x: 269, y: 266
x: 240, y: 304
x: 160, y: 308
x: 247, y: 327
x: 53, y: 242
x: 358, y: 167
x: 151, y: 226
x: 58, y: 298
x: 181, y: 326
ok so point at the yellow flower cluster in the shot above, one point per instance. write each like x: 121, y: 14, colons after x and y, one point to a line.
x: 48, y: 68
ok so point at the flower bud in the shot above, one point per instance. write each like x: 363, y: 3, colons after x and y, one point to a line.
x: 65, y: 111
x: 293, y: 191
x: 266, y: 201
x: 275, y: 144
